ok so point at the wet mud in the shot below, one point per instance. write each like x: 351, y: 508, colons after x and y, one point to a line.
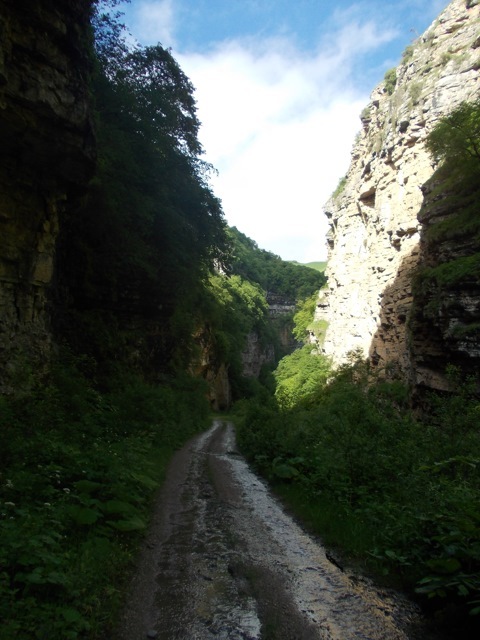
x: 223, y: 560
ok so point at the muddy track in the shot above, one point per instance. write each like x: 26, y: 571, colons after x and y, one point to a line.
x: 223, y: 560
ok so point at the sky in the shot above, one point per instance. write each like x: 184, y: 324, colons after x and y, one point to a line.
x: 280, y: 85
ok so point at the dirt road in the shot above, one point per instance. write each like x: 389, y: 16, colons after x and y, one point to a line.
x: 223, y: 560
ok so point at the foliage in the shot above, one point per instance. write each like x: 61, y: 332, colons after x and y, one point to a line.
x: 339, y: 189
x: 299, y: 376
x: 78, y: 469
x: 150, y: 229
x: 366, y: 114
x: 452, y: 211
x: 400, y: 492
x: 450, y: 274
x: 456, y: 138
x: 390, y: 80
x: 303, y: 317
x: 274, y: 275
x: 415, y: 92
x: 233, y: 308
x: 407, y: 53
x: 463, y: 220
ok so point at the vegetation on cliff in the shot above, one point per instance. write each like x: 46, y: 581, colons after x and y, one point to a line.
x: 447, y: 284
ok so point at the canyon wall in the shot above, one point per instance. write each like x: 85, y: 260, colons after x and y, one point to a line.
x: 46, y: 159
x: 376, y: 222
x: 257, y: 352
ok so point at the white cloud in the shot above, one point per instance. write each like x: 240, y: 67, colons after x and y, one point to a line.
x: 155, y: 21
x: 277, y: 123
x: 279, y: 126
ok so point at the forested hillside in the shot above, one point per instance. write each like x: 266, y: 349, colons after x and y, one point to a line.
x: 276, y: 276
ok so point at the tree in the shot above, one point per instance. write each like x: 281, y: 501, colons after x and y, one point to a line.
x: 151, y: 228
x: 274, y: 275
x: 456, y: 138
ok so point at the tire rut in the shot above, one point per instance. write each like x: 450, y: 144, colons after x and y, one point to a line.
x: 223, y: 560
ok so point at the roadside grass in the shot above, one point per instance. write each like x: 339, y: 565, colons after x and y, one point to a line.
x: 78, y: 474
x: 345, y: 533
x: 397, y: 493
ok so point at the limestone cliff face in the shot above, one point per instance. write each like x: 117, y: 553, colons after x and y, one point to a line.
x: 281, y: 312
x: 46, y: 158
x: 255, y: 355
x: 375, y: 230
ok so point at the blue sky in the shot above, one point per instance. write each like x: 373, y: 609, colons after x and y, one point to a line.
x: 279, y: 87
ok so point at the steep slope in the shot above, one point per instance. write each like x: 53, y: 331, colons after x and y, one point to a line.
x: 375, y: 227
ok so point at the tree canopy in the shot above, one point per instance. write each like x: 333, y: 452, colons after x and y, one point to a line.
x: 151, y: 228
x: 456, y: 137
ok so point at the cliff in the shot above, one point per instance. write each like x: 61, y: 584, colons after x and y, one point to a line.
x: 46, y: 160
x: 380, y: 212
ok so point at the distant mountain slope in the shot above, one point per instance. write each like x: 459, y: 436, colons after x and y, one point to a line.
x: 318, y: 266
x: 279, y: 277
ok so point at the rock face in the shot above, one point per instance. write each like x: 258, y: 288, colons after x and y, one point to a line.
x: 255, y: 355
x: 444, y: 321
x: 207, y: 365
x: 47, y: 157
x: 375, y: 229
x: 281, y: 312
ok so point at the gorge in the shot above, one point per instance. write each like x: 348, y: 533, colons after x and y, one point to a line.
x: 129, y: 311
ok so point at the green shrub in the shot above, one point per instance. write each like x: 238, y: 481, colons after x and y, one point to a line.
x: 390, y: 80
x: 407, y: 53
x: 339, y: 189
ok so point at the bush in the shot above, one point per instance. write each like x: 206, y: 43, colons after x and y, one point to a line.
x: 390, y: 80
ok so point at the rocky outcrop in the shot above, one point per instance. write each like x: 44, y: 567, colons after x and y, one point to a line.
x: 375, y: 228
x: 46, y: 160
x: 281, y: 311
x: 255, y: 354
x: 444, y: 320
x: 207, y: 365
